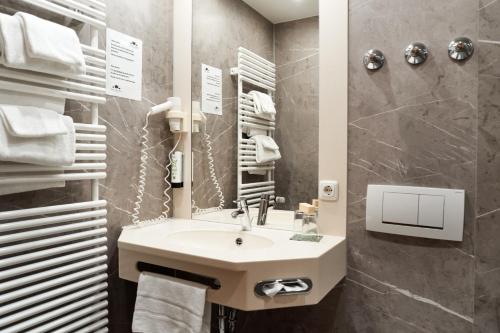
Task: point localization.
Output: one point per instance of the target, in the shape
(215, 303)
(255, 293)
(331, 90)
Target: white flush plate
(416, 211)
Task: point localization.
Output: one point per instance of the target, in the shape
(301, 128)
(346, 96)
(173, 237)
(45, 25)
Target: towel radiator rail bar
(84, 8)
(68, 9)
(53, 259)
(30, 212)
(258, 184)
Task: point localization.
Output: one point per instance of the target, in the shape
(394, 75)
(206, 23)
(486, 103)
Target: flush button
(400, 208)
(431, 211)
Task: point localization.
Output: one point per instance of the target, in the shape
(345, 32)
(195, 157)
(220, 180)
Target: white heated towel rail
(53, 271)
(254, 73)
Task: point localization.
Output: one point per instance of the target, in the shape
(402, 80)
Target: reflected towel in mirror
(266, 149)
(263, 105)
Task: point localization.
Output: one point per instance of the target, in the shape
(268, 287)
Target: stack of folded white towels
(33, 129)
(267, 149)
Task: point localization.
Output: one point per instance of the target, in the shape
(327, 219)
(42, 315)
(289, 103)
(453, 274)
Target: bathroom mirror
(255, 101)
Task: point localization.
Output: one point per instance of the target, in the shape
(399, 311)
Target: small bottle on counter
(309, 220)
(298, 221)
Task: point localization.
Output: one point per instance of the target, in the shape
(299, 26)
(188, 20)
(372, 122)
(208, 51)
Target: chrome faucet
(265, 201)
(263, 207)
(246, 221)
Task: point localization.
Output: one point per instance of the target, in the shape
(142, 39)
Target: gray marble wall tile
(410, 126)
(297, 102)
(489, 24)
(150, 21)
(219, 28)
(488, 181)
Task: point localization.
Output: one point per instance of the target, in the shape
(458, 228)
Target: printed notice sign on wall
(123, 65)
(211, 89)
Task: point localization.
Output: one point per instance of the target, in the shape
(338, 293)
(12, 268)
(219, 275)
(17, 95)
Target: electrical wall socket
(329, 190)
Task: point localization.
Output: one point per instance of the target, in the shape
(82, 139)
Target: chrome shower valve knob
(374, 59)
(416, 53)
(460, 48)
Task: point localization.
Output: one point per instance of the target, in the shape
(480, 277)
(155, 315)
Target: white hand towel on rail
(27, 99)
(52, 150)
(21, 188)
(166, 304)
(52, 42)
(32, 122)
(14, 51)
(266, 149)
(263, 105)
(12, 42)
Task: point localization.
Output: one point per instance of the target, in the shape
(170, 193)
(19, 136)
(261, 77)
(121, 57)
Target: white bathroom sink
(219, 240)
(211, 250)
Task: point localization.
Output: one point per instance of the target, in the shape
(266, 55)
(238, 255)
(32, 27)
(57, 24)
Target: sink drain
(239, 241)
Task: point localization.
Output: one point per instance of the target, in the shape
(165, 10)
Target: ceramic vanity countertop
(270, 246)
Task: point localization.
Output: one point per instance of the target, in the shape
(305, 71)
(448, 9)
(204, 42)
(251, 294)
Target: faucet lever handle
(280, 200)
(241, 202)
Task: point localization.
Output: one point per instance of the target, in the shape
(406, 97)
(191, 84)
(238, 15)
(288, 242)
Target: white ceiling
(278, 11)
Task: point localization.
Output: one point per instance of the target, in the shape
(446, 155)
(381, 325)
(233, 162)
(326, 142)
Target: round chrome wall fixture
(416, 53)
(373, 59)
(460, 48)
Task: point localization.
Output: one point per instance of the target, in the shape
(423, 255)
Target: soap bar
(307, 208)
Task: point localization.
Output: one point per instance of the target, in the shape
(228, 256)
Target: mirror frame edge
(333, 110)
(182, 44)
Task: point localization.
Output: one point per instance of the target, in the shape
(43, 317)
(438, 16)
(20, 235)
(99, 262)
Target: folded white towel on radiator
(50, 150)
(166, 304)
(266, 149)
(31, 43)
(21, 188)
(32, 122)
(12, 42)
(27, 99)
(263, 105)
(52, 42)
